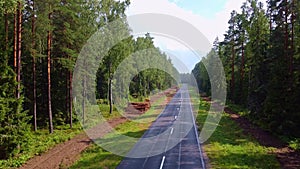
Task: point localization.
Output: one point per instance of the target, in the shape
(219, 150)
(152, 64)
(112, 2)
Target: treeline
(40, 43)
(261, 57)
(138, 53)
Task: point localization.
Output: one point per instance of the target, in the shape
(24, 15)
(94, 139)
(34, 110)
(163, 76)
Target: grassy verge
(293, 142)
(104, 109)
(96, 157)
(40, 142)
(242, 111)
(229, 147)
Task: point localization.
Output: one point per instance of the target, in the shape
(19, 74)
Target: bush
(14, 127)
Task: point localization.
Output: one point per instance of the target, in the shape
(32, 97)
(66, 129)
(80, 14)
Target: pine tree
(276, 105)
(257, 59)
(34, 65)
(14, 128)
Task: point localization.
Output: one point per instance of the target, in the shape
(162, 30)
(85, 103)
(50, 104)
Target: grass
(40, 142)
(238, 109)
(229, 147)
(293, 142)
(96, 157)
(96, 114)
(104, 109)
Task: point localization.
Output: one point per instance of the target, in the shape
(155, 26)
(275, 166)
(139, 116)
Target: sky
(210, 17)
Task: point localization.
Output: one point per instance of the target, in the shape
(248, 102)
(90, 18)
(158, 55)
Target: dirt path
(288, 158)
(65, 154)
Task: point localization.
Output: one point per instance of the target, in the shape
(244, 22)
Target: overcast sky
(210, 17)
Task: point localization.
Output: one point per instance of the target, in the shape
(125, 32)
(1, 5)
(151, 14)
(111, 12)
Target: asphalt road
(172, 140)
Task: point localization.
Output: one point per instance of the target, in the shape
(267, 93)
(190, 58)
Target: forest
(261, 58)
(40, 43)
(42, 40)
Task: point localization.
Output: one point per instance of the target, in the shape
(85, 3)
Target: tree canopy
(260, 55)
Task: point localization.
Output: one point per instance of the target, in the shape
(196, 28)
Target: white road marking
(172, 130)
(179, 156)
(162, 162)
(196, 133)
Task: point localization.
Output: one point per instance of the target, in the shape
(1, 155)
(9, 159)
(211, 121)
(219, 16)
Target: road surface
(172, 140)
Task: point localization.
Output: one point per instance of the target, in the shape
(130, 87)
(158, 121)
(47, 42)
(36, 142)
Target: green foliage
(96, 157)
(104, 109)
(229, 147)
(7, 6)
(260, 54)
(294, 144)
(39, 142)
(70, 23)
(201, 75)
(280, 111)
(144, 82)
(241, 110)
(14, 128)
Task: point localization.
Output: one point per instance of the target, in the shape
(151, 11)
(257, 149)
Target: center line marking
(172, 130)
(162, 162)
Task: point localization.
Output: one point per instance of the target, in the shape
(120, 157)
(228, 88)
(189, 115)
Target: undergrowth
(229, 147)
(40, 142)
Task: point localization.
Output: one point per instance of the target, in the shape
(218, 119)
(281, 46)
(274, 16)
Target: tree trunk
(232, 72)
(293, 39)
(83, 99)
(270, 15)
(49, 77)
(33, 66)
(145, 87)
(232, 83)
(110, 97)
(70, 99)
(84, 92)
(110, 91)
(15, 41)
(19, 49)
(67, 92)
(286, 31)
(243, 64)
(107, 93)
